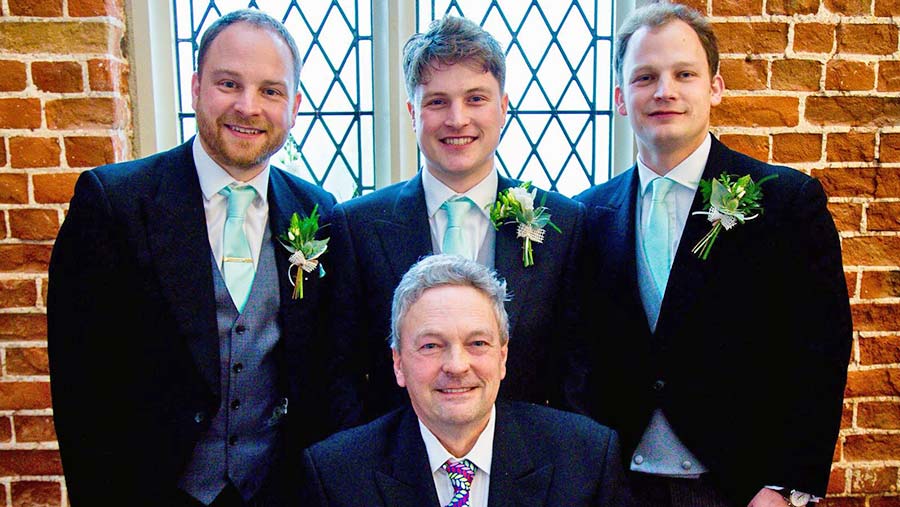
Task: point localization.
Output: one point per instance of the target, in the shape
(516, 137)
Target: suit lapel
(406, 237)
(618, 218)
(689, 274)
(515, 479)
(179, 244)
(405, 477)
(508, 261)
(282, 204)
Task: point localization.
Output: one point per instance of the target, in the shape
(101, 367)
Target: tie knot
(460, 472)
(239, 198)
(456, 208)
(660, 188)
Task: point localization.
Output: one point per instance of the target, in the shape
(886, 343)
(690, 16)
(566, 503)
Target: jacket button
(659, 385)
(686, 465)
(237, 367)
(199, 417)
(232, 440)
(239, 329)
(638, 459)
(235, 404)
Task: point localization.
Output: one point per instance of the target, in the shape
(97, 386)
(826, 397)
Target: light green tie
(454, 239)
(237, 264)
(657, 240)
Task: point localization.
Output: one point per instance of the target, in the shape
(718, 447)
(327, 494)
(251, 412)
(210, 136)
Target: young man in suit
(725, 374)
(175, 346)
(457, 446)
(455, 76)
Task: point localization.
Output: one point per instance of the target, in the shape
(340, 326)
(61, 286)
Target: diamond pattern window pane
(332, 143)
(559, 81)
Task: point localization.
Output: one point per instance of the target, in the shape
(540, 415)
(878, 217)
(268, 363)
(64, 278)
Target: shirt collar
(480, 455)
(483, 194)
(213, 178)
(687, 173)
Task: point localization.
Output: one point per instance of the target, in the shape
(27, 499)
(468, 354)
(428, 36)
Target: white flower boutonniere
(728, 202)
(300, 240)
(516, 205)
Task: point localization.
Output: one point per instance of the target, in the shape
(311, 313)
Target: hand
(767, 498)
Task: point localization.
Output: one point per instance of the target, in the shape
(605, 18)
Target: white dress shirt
(477, 228)
(213, 179)
(480, 456)
(687, 176)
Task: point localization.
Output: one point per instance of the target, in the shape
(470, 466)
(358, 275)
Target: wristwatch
(795, 498)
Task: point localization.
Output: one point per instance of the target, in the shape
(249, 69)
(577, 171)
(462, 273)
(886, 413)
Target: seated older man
(456, 446)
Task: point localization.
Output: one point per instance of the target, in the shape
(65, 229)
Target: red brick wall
(811, 83)
(64, 107)
(814, 85)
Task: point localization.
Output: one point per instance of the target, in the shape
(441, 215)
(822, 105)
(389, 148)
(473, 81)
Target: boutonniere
(516, 205)
(728, 202)
(300, 240)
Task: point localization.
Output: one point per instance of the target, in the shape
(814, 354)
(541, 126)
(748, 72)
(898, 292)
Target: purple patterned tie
(461, 474)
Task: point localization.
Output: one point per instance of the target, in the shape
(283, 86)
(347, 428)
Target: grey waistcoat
(241, 443)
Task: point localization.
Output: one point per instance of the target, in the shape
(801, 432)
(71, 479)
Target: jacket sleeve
(85, 329)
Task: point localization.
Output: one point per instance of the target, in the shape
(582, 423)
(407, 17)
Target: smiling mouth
(457, 390)
(245, 130)
(458, 141)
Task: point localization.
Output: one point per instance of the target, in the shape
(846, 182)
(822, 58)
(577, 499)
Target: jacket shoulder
(297, 185)
(600, 195)
(558, 429)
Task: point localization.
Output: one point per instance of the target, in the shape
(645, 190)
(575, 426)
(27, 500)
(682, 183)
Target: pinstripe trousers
(656, 491)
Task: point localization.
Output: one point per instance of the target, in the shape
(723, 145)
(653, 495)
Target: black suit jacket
(541, 457)
(749, 358)
(132, 333)
(382, 234)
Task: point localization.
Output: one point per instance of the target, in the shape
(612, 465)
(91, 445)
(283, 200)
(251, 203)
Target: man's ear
(716, 89)
(398, 370)
(412, 113)
(619, 98)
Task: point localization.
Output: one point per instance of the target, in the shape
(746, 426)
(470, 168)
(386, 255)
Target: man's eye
(229, 84)
(479, 343)
(429, 346)
(272, 92)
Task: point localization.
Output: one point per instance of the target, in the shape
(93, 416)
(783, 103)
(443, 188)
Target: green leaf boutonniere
(300, 240)
(516, 205)
(729, 200)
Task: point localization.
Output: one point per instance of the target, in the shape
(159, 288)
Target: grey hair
(658, 14)
(440, 270)
(259, 20)
(450, 40)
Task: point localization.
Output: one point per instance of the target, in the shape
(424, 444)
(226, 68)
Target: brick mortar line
(29, 446)
(65, 18)
(33, 379)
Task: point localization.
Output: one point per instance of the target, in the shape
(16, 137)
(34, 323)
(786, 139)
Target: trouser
(657, 491)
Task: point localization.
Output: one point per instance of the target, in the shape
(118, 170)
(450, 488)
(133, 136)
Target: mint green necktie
(454, 239)
(237, 263)
(657, 239)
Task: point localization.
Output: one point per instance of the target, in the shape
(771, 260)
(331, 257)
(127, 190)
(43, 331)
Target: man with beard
(176, 343)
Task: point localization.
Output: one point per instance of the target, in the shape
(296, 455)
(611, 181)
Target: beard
(237, 153)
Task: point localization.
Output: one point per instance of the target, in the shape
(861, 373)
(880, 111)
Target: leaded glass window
(559, 83)
(332, 142)
(558, 79)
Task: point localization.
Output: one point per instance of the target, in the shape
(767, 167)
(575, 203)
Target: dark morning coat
(749, 359)
(541, 457)
(133, 342)
(382, 234)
